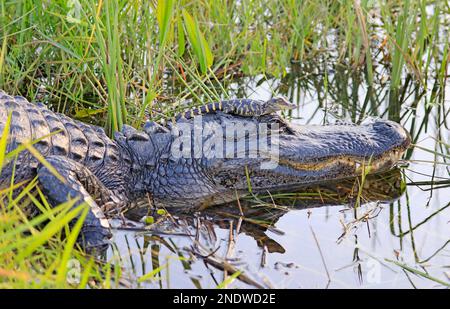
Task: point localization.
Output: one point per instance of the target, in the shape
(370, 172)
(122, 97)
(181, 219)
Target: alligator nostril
(387, 125)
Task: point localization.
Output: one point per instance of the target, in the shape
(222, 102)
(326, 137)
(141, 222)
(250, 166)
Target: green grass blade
(164, 12)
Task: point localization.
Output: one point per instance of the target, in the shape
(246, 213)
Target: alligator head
(218, 157)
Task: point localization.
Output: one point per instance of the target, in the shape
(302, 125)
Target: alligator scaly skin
(92, 164)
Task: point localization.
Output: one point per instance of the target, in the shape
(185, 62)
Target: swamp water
(388, 231)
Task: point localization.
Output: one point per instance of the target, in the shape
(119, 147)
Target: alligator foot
(82, 184)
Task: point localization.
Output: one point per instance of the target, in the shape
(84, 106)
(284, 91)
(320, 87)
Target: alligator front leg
(80, 183)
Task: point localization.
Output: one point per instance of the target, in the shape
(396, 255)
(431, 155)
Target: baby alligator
(241, 107)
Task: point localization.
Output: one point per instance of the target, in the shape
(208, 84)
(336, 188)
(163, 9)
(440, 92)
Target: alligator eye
(150, 164)
(138, 136)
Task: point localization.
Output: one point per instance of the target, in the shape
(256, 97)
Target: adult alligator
(116, 175)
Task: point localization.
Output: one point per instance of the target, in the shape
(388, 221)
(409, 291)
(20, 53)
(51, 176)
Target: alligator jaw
(314, 154)
(349, 165)
(331, 169)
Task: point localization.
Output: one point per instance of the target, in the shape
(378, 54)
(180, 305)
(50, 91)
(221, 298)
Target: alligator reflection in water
(254, 217)
(259, 217)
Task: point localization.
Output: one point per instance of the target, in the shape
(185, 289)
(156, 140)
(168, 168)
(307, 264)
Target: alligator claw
(113, 208)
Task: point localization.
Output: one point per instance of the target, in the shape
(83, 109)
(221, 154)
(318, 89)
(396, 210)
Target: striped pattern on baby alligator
(241, 107)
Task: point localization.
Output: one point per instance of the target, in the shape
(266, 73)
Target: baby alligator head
(218, 157)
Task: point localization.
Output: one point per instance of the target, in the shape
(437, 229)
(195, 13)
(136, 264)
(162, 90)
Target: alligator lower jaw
(353, 164)
(294, 175)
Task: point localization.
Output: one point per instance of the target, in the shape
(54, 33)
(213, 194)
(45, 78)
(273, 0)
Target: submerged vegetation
(121, 62)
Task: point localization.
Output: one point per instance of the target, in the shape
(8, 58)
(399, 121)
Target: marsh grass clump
(114, 62)
(37, 245)
(41, 251)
